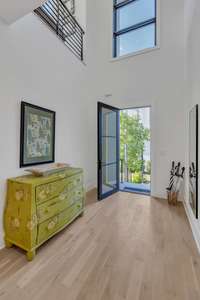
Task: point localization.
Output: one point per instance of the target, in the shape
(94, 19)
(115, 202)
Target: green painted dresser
(39, 207)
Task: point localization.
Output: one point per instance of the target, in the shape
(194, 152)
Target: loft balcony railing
(57, 16)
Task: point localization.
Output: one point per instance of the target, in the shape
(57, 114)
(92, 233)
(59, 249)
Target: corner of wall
(90, 186)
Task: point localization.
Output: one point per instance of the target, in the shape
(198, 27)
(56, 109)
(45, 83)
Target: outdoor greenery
(133, 136)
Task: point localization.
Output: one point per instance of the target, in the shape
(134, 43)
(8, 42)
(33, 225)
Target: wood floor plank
(123, 248)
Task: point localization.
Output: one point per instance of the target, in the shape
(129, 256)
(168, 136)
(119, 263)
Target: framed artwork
(37, 138)
(193, 160)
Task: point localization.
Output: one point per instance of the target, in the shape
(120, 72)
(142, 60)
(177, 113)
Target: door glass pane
(109, 154)
(108, 122)
(134, 13)
(109, 175)
(136, 40)
(108, 150)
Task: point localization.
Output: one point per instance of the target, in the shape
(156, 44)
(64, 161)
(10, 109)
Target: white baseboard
(193, 224)
(90, 187)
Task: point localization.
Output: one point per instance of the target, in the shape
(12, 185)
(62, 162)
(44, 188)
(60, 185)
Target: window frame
(131, 28)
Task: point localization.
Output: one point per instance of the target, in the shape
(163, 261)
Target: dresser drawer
(46, 229)
(76, 208)
(49, 227)
(70, 213)
(51, 190)
(56, 205)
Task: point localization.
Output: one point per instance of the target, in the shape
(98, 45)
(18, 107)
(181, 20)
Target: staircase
(58, 17)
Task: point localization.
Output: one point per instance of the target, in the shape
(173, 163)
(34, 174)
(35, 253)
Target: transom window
(134, 26)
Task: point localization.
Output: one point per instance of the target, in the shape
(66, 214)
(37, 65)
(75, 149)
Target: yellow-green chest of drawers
(39, 207)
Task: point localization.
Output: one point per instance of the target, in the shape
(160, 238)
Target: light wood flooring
(127, 247)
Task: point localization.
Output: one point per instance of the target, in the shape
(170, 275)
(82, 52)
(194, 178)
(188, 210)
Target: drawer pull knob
(52, 224)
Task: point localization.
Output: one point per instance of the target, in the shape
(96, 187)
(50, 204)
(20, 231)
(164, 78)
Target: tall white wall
(154, 78)
(11, 11)
(37, 67)
(192, 83)
(81, 12)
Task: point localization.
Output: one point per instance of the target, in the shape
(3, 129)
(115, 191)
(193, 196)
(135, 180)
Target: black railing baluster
(82, 47)
(58, 17)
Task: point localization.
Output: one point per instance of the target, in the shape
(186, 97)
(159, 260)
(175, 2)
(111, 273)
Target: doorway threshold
(143, 189)
(136, 192)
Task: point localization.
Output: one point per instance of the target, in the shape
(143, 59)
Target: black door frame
(99, 154)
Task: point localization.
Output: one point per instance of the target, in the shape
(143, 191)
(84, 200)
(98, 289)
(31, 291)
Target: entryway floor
(127, 247)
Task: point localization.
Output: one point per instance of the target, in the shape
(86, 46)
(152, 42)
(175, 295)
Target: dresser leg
(8, 244)
(30, 255)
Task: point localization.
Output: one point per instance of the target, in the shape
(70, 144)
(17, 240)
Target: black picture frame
(25, 106)
(194, 159)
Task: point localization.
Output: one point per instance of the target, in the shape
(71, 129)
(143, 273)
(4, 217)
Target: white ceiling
(12, 10)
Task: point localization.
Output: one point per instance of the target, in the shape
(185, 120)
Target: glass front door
(108, 150)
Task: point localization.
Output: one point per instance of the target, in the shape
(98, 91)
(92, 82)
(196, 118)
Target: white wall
(154, 78)
(192, 83)
(80, 12)
(10, 10)
(37, 67)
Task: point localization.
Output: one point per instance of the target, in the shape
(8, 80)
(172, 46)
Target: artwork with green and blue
(37, 135)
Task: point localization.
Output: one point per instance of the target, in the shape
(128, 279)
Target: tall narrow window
(134, 26)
